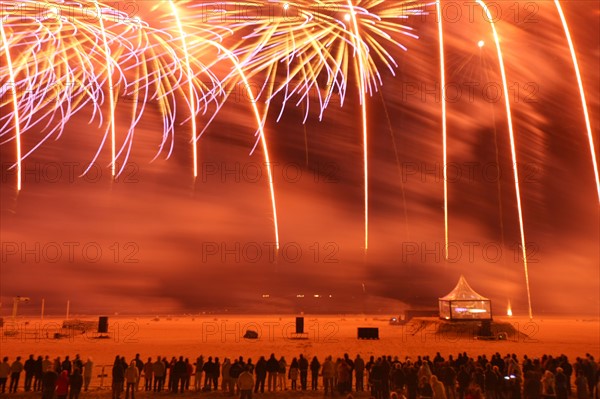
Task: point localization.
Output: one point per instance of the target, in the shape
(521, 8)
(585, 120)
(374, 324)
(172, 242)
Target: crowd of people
(460, 377)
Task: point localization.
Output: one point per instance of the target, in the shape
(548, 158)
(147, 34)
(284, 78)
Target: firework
(60, 59)
(70, 56)
(586, 115)
(294, 46)
(513, 150)
(444, 125)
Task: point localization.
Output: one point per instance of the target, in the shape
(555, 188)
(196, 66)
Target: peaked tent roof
(463, 291)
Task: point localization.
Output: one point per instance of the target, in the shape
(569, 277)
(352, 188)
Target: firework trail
(444, 124)
(294, 50)
(11, 75)
(586, 115)
(187, 23)
(318, 41)
(114, 56)
(188, 70)
(304, 47)
(111, 93)
(512, 147)
(262, 138)
(74, 55)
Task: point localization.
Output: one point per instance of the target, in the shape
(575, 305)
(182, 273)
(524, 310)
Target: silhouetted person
(15, 373)
(198, 377)
(188, 374)
(179, 372)
(562, 387)
(62, 385)
(148, 375)
(293, 374)
(359, 370)
(77, 363)
(261, 374)
(29, 368)
(281, 374)
(303, 367)
(75, 384)
(4, 373)
(38, 372)
(118, 378)
(49, 380)
(350, 364)
(140, 366)
(208, 369)
(272, 368)
(158, 368)
(235, 371)
(216, 373)
(66, 365)
(315, 366)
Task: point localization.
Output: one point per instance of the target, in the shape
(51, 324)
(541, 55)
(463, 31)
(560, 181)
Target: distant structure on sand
(463, 303)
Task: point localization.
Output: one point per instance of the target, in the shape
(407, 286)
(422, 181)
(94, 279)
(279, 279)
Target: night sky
(156, 241)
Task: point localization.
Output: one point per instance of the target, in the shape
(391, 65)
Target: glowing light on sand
(509, 310)
(513, 150)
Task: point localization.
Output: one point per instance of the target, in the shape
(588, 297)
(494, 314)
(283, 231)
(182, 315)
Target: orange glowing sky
(170, 225)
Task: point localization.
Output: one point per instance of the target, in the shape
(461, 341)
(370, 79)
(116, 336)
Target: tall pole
(68, 304)
(15, 307)
(43, 304)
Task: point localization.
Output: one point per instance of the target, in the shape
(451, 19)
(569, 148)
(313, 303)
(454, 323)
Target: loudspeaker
(103, 324)
(299, 325)
(368, 333)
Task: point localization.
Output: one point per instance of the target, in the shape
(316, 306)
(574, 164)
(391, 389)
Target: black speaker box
(103, 324)
(299, 325)
(368, 333)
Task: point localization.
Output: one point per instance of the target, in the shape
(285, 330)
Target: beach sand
(221, 335)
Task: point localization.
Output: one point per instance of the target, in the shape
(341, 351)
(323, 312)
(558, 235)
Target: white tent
(463, 303)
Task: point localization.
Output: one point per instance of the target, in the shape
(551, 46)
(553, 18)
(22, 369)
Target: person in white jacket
(245, 384)
(132, 374)
(439, 392)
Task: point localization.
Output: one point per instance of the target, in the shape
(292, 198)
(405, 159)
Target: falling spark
(111, 94)
(190, 74)
(509, 310)
(15, 103)
(262, 138)
(358, 48)
(586, 115)
(444, 126)
(323, 45)
(512, 149)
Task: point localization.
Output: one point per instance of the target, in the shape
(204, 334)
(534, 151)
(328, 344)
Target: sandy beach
(222, 336)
